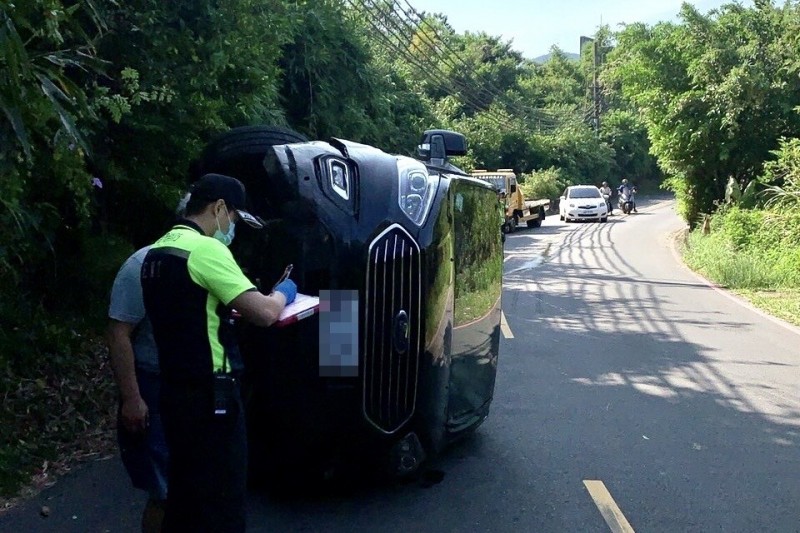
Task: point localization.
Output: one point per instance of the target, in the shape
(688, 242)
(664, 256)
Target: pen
(286, 272)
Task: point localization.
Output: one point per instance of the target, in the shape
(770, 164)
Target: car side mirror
(439, 144)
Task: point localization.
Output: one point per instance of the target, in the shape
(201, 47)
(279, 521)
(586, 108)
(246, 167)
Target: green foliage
(715, 259)
(42, 153)
(547, 183)
(625, 132)
(559, 81)
(373, 103)
(581, 156)
(749, 249)
(716, 91)
(784, 175)
(181, 72)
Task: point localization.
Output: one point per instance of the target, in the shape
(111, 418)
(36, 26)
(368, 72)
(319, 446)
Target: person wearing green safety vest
(190, 283)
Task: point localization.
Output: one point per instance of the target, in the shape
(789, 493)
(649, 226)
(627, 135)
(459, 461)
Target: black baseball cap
(213, 187)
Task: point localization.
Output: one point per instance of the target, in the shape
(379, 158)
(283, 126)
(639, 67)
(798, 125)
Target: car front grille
(392, 341)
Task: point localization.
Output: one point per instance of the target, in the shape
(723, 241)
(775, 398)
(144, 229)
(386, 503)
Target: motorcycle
(626, 200)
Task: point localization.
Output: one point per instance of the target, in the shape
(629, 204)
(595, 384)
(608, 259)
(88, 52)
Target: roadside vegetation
(718, 93)
(755, 250)
(105, 104)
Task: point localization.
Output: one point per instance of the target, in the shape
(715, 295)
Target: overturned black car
(407, 260)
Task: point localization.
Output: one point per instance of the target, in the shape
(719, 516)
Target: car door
(478, 258)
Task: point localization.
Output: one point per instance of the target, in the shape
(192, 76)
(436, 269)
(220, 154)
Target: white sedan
(583, 202)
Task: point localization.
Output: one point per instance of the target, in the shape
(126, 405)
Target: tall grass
(749, 249)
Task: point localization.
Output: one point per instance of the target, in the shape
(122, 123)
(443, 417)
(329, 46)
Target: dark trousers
(207, 463)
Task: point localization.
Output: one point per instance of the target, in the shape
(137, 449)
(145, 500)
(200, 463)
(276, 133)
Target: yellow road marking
(607, 506)
(504, 326)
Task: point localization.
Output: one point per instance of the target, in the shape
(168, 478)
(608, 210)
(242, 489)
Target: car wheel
(240, 153)
(241, 150)
(604, 219)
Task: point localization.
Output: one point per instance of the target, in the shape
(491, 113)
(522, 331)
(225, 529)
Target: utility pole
(595, 89)
(596, 104)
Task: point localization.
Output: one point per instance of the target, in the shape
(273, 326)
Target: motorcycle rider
(629, 190)
(606, 191)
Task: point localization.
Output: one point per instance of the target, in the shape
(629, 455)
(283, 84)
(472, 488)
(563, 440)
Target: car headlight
(571, 204)
(416, 189)
(339, 176)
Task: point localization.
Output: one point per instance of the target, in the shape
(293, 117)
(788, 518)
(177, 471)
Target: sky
(536, 25)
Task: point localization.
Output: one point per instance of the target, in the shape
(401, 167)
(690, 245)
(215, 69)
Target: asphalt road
(631, 392)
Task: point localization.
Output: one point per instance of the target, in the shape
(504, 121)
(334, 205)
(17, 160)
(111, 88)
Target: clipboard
(302, 307)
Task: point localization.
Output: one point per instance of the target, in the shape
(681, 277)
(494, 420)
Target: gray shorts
(145, 455)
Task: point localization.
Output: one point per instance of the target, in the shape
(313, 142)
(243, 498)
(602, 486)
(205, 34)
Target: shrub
(547, 183)
(738, 226)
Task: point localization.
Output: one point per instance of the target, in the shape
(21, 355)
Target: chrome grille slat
(402, 293)
(384, 327)
(393, 285)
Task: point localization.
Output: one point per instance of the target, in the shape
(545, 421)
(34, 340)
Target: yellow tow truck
(517, 208)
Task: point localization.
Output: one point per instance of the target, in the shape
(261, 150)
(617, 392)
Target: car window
(585, 193)
(498, 181)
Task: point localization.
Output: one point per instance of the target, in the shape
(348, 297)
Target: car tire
(537, 222)
(240, 153)
(604, 219)
(242, 150)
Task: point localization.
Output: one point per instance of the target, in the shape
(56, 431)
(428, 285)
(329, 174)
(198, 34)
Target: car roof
(582, 187)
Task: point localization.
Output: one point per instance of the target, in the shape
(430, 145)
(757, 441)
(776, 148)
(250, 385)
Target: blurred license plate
(338, 333)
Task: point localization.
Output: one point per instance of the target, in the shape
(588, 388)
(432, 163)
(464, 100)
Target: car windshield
(498, 181)
(585, 193)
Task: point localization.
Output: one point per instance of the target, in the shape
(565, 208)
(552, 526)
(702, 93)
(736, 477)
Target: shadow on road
(601, 383)
(623, 395)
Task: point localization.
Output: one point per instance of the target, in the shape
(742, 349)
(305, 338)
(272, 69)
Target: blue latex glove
(288, 288)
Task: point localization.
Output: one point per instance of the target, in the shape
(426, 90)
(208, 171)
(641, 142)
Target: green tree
(624, 132)
(185, 71)
(717, 92)
(335, 84)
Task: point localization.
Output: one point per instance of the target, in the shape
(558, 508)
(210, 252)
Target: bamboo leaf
(54, 94)
(15, 118)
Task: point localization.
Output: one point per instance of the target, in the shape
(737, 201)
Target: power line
(396, 31)
(497, 93)
(461, 88)
(395, 43)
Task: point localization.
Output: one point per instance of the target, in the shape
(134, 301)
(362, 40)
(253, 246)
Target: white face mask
(225, 238)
